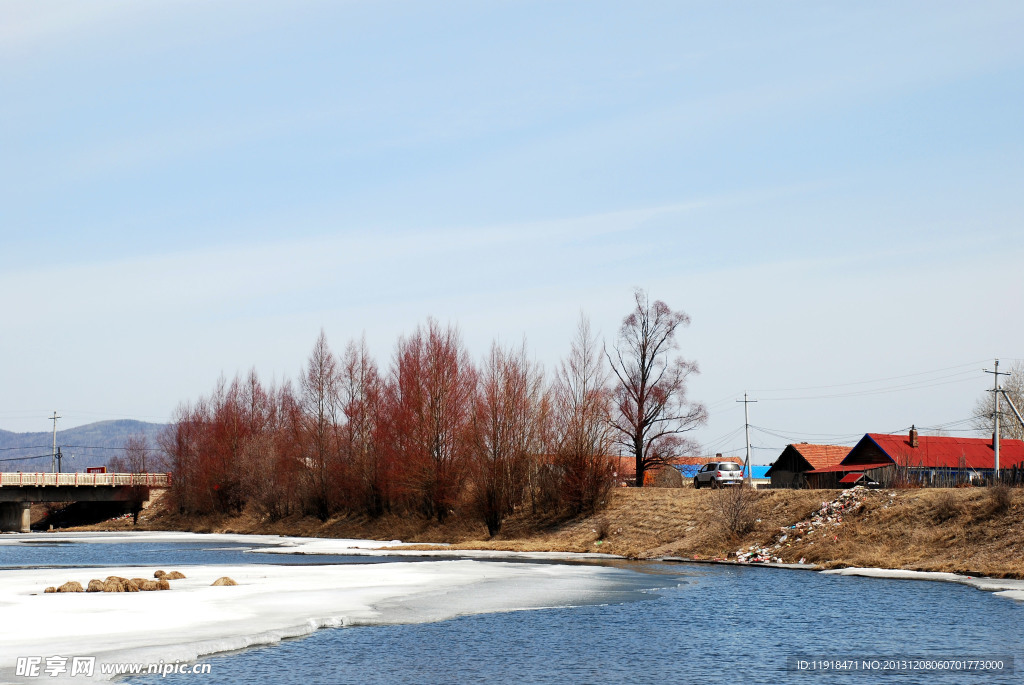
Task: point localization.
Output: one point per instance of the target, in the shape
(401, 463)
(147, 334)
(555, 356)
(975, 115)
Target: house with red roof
(919, 459)
(790, 468)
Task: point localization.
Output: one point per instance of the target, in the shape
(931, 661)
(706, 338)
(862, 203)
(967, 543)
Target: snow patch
(270, 603)
(277, 544)
(1001, 587)
(395, 549)
(213, 538)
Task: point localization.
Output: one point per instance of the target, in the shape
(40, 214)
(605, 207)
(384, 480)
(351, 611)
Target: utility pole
(995, 434)
(746, 421)
(53, 455)
(60, 457)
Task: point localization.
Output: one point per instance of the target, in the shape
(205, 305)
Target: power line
(39, 456)
(879, 391)
(722, 439)
(792, 436)
(778, 432)
(876, 380)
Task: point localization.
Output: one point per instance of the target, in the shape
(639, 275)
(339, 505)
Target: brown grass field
(973, 531)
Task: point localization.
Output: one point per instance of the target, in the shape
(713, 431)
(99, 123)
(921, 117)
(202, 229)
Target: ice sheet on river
(1002, 587)
(279, 544)
(174, 537)
(269, 603)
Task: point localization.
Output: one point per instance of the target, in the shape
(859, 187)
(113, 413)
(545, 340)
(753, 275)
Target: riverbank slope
(972, 531)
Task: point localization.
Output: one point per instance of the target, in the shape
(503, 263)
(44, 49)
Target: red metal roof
(821, 456)
(851, 478)
(944, 452)
(847, 468)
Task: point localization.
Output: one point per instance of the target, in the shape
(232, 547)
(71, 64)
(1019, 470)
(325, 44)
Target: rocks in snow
(115, 584)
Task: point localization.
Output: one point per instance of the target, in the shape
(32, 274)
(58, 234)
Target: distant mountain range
(89, 445)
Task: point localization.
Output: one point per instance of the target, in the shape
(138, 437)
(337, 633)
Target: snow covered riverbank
(269, 603)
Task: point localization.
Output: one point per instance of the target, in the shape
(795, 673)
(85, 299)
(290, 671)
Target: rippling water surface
(723, 625)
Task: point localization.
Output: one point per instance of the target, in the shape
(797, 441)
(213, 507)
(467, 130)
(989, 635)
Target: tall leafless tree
(133, 460)
(580, 433)
(321, 416)
(362, 402)
(652, 412)
(506, 432)
(430, 400)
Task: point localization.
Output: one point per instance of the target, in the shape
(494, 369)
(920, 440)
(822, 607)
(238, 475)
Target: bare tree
(362, 401)
(984, 410)
(506, 431)
(133, 460)
(580, 429)
(429, 406)
(133, 456)
(181, 444)
(321, 414)
(652, 412)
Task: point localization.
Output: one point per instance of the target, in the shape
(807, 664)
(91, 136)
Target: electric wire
(876, 380)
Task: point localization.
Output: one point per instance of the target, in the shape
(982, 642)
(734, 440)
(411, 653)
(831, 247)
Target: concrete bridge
(19, 490)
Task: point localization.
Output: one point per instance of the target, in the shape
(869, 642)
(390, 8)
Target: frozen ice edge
(270, 603)
(278, 544)
(1001, 587)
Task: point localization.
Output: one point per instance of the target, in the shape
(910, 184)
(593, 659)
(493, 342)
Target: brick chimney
(718, 455)
(913, 436)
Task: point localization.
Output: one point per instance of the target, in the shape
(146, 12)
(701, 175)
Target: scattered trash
(829, 514)
(756, 554)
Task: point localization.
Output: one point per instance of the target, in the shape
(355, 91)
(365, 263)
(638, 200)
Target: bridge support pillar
(15, 517)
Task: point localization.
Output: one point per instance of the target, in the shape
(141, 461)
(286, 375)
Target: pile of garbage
(756, 554)
(831, 513)
(828, 515)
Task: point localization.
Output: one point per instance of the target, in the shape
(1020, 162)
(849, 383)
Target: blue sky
(831, 190)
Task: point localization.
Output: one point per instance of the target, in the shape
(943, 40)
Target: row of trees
(435, 432)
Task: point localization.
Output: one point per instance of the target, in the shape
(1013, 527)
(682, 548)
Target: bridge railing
(152, 480)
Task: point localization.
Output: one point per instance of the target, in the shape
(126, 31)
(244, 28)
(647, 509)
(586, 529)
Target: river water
(670, 623)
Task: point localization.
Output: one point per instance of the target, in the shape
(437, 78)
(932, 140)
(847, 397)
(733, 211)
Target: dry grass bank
(971, 531)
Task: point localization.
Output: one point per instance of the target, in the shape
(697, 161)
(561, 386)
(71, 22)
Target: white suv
(719, 473)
